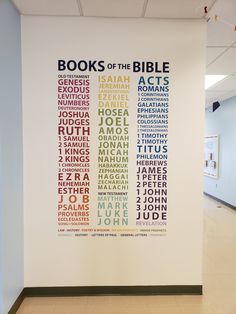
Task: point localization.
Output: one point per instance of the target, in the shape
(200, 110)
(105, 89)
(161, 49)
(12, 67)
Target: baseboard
(113, 290)
(220, 201)
(104, 290)
(17, 303)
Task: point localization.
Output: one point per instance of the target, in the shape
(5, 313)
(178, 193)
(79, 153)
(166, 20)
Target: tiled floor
(219, 281)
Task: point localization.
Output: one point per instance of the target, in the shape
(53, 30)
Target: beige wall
(174, 259)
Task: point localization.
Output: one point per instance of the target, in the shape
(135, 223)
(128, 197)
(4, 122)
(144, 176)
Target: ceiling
(115, 8)
(221, 37)
(221, 50)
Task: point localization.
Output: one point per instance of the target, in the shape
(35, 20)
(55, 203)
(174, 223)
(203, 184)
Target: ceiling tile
(48, 7)
(230, 94)
(219, 33)
(212, 96)
(225, 65)
(113, 8)
(213, 53)
(225, 9)
(227, 85)
(177, 8)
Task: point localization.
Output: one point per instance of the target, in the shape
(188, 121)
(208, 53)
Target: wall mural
(112, 148)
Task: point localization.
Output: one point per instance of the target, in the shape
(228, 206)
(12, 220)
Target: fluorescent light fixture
(211, 80)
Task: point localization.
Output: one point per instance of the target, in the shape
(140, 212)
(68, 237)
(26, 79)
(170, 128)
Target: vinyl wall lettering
(126, 193)
(73, 151)
(113, 150)
(152, 150)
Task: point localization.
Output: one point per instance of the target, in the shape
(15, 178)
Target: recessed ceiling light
(211, 80)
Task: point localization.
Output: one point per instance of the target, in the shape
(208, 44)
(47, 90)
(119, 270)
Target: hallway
(219, 280)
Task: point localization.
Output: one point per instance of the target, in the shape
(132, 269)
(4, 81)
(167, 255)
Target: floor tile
(219, 279)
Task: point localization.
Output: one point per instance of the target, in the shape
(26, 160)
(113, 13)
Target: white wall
(11, 182)
(222, 122)
(175, 259)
